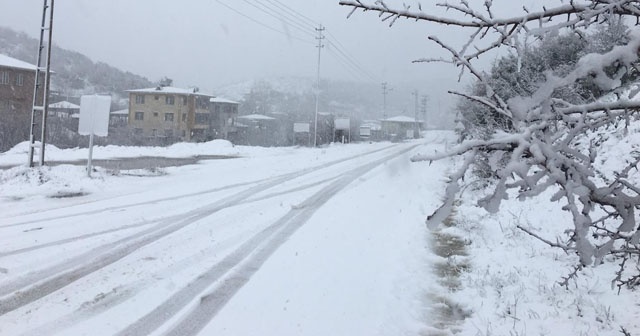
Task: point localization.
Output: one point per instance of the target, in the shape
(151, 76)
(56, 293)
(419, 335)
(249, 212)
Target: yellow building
(170, 112)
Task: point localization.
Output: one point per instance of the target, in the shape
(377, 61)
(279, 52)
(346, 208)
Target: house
(63, 109)
(223, 117)
(119, 118)
(257, 130)
(170, 113)
(401, 127)
(16, 99)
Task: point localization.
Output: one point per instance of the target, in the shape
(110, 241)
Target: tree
(544, 146)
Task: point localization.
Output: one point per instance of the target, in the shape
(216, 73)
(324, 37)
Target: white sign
(343, 124)
(94, 115)
(365, 131)
(301, 127)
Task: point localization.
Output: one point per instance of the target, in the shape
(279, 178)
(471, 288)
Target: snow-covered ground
(283, 241)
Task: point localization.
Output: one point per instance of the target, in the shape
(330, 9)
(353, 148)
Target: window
(139, 116)
(20, 80)
(139, 99)
(184, 100)
(202, 118)
(168, 133)
(155, 114)
(4, 77)
(156, 97)
(168, 117)
(170, 100)
(154, 132)
(184, 117)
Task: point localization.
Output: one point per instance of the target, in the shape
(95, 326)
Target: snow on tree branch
(550, 140)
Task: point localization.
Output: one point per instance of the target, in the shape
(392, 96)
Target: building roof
(170, 90)
(11, 62)
(256, 117)
(401, 119)
(64, 105)
(120, 112)
(222, 100)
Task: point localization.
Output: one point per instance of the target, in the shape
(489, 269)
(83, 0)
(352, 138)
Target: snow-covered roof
(401, 119)
(170, 90)
(222, 100)
(256, 117)
(120, 112)
(64, 105)
(11, 62)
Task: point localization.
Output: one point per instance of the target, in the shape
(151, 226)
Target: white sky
(203, 43)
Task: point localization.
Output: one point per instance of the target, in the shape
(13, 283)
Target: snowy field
(282, 241)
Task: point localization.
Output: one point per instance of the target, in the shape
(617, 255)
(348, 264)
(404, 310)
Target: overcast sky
(206, 43)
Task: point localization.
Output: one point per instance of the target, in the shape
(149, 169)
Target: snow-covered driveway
(283, 242)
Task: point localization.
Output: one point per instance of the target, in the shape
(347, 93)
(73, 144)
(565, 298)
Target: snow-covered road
(282, 242)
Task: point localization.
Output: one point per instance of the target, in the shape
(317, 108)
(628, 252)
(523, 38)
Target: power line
(277, 15)
(283, 10)
(353, 64)
(263, 24)
(294, 12)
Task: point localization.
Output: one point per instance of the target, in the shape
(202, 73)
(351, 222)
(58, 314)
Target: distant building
(223, 118)
(401, 127)
(63, 109)
(119, 118)
(170, 112)
(16, 98)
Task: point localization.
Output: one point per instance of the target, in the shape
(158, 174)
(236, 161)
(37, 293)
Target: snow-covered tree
(550, 143)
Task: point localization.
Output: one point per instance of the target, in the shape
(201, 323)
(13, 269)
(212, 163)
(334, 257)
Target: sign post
(94, 120)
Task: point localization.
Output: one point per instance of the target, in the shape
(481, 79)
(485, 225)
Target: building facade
(169, 112)
(223, 117)
(16, 99)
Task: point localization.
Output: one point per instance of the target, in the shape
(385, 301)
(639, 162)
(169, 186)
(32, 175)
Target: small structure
(119, 118)
(223, 118)
(63, 109)
(259, 130)
(401, 127)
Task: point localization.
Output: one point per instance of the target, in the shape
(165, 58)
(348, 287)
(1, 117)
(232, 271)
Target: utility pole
(416, 129)
(320, 37)
(424, 101)
(41, 87)
(385, 91)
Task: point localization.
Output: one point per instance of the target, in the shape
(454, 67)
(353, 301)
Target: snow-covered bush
(551, 141)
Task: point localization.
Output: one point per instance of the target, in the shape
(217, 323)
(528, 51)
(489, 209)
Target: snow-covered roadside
(512, 286)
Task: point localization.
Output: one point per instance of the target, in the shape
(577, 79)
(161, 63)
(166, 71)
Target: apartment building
(170, 112)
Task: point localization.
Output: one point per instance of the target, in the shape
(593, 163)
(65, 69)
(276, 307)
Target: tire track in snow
(240, 265)
(172, 198)
(146, 223)
(33, 286)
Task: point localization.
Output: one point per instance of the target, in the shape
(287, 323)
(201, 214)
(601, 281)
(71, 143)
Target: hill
(75, 73)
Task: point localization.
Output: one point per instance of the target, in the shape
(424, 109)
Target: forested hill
(75, 73)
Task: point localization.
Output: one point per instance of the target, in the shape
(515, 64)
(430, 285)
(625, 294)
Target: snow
(353, 256)
(222, 100)
(170, 90)
(354, 264)
(18, 154)
(64, 105)
(401, 119)
(11, 62)
(120, 112)
(256, 117)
